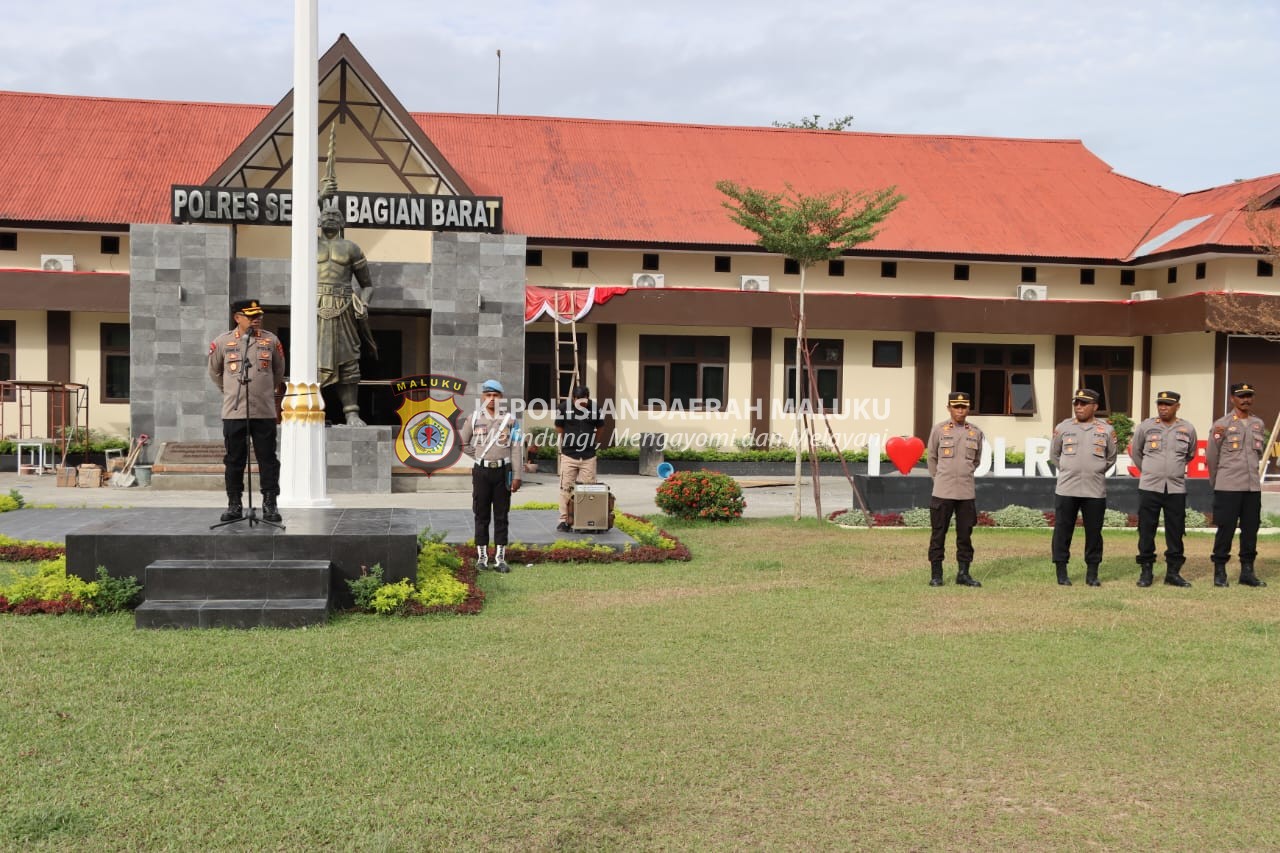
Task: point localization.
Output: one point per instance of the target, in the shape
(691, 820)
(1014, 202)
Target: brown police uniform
(1234, 455)
(247, 368)
(1082, 452)
(954, 451)
(1161, 453)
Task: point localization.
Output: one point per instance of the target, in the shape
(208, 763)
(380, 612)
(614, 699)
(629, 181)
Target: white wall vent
(1033, 292)
(1144, 295)
(58, 263)
(648, 279)
(755, 283)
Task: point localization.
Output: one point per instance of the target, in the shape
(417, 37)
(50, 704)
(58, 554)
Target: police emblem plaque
(428, 438)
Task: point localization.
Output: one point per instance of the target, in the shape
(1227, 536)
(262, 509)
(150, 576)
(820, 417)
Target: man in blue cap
(491, 437)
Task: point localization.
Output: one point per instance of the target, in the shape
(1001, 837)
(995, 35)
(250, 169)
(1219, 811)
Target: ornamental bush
(1115, 518)
(701, 495)
(49, 584)
(1196, 518)
(1019, 516)
(917, 517)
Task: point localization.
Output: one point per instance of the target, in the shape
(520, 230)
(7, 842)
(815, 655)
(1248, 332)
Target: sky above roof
(1177, 93)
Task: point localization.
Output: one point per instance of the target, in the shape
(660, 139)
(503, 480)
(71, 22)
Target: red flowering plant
(701, 495)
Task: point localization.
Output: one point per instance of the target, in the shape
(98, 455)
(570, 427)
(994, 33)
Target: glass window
(115, 362)
(826, 356)
(687, 371)
(1109, 371)
(998, 378)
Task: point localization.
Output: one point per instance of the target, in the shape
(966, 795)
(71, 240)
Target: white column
(302, 441)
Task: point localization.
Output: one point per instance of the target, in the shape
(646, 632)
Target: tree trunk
(800, 326)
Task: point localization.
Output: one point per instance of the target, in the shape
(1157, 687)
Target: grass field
(796, 686)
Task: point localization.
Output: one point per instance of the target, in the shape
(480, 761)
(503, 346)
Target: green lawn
(796, 686)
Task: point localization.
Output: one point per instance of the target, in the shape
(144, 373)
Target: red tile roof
(1220, 215)
(67, 159)
(655, 183)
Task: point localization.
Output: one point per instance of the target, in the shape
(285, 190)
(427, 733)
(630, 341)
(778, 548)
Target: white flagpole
(303, 481)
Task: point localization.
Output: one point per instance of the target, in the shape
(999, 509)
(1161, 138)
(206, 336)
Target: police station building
(1015, 269)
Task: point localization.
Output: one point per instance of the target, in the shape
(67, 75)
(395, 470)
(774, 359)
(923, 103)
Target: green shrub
(8, 504)
(441, 589)
(364, 587)
(1019, 516)
(438, 564)
(918, 516)
(1115, 518)
(390, 597)
(537, 505)
(113, 594)
(17, 498)
(7, 447)
(49, 582)
(701, 495)
(642, 531)
(1123, 425)
(1196, 518)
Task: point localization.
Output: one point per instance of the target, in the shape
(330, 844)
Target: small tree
(815, 123)
(808, 229)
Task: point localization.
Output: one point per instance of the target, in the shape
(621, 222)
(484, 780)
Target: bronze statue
(342, 314)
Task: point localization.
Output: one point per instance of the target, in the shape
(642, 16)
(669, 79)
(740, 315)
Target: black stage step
(234, 594)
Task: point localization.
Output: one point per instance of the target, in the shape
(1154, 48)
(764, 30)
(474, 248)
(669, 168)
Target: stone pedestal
(359, 459)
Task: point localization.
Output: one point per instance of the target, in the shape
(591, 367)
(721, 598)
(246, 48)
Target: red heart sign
(904, 452)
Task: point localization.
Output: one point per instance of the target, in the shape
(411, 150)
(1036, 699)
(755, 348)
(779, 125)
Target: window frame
(106, 353)
(982, 382)
(1105, 374)
(704, 358)
(828, 366)
(9, 348)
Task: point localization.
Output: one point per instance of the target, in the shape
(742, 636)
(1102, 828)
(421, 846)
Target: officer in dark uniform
(491, 436)
(1161, 448)
(247, 365)
(1234, 454)
(955, 449)
(1082, 450)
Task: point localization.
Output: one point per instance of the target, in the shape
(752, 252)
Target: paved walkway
(65, 509)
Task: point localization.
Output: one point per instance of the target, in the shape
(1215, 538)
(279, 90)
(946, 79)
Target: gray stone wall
(359, 459)
(477, 317)
(179, 293)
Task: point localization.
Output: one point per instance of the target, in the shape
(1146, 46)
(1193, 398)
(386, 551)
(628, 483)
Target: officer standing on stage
(247, 365)
(491, 436)
(1082, 450)
(955, 448)
(1162, 448)
(1234, 454)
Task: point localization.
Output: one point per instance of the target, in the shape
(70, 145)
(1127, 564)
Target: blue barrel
(666, 469)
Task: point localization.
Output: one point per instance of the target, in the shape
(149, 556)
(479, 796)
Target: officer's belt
(491, 463)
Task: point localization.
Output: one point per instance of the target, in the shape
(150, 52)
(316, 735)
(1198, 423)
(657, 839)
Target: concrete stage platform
(126, 541)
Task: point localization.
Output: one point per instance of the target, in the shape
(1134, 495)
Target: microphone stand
(250, 451)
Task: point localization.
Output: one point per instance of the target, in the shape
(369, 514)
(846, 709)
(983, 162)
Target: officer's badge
(428, 438)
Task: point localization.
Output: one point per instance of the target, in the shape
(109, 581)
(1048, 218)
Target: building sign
(428, 438)
(394, 211)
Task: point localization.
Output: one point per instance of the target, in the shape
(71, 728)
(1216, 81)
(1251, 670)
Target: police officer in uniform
(955, 448)
(247, 365)
(1082, 450)
(1234, 454)
(1162, 447)
(491, 436)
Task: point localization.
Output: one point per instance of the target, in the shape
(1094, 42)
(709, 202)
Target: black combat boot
(1247, 577)
(1091, 576)
(935, 573)
(234, 509)
(1173, 575)
(1220, 575)
(270, 512)
(962, 576)
(1063, 580)
(1145, 574)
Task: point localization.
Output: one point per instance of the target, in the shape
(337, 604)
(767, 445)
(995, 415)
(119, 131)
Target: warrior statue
(342, 311)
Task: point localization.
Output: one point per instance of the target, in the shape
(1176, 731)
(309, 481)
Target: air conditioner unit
(1033, 292)
(648, 279)
(1144, 295)
(755, 282)
(58, 263)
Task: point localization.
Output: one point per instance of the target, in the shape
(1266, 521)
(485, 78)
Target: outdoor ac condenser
(591, 511)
